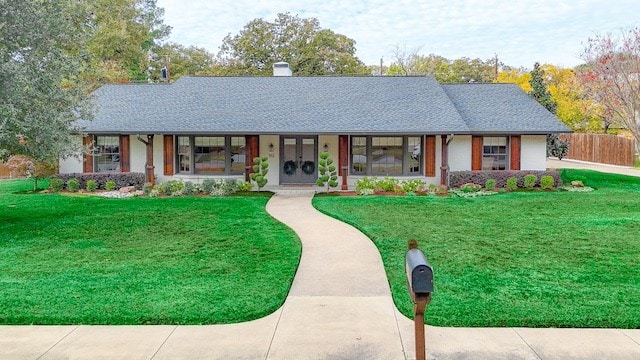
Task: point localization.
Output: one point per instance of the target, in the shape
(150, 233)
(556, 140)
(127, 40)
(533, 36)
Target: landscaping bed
(186, 260)
(523, 258)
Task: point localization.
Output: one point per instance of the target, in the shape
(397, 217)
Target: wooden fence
(601, 148)
(4, 171)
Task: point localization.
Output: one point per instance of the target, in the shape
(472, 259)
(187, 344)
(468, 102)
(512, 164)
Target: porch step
(294, 192)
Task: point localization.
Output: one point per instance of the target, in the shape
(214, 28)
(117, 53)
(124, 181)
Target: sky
(519, 32)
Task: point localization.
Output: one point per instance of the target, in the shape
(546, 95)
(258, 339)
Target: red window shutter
(343, 152)
(253, 149)
(430, 155)
(476, 153)
(87, 161)
(515, 153)
(168, 155)
(124, 153)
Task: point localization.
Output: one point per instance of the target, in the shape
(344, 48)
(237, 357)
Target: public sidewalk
(339, 307)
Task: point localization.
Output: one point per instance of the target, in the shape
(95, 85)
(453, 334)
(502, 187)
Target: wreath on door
(308, 167)
(290, 167)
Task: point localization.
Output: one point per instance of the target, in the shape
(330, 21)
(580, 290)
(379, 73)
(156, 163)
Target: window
(386, 155)
(184, 154)
(211, 155)
(238, 154)
(359, 155)
(106, 156)
(494, 153)
(414, 154)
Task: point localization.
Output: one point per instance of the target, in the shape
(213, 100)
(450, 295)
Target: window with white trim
(495, 150)
(106, 154)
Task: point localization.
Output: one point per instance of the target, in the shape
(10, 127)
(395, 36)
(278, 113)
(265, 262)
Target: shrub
(458, 178)
(245, 186)
(110, 185)
(411, 186)
(189, 188)
(556, 146)
(171, 188)
(530, 181)
(121, 179)
(222, 187)
(92, 185)
(146, 188)
(73, 185)
(512, 184)
(366, 185)
(56, 185)
(470, 187)
(207, 186)
(327, 172)
(387, 184)
(546, 182)
(260, 171)
(490, 184)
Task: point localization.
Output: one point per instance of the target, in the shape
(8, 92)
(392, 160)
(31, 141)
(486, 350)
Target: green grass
(533, 259)
(89, 260)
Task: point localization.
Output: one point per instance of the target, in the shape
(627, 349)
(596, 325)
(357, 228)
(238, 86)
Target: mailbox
(420, 279)
(419, 273)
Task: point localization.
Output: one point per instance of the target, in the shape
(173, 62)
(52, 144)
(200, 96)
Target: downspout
(444, 168)
(148, 166)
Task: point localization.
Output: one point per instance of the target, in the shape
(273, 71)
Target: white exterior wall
(72, 164)
(137, 153)
(273, 177)
(533, 152)
(460, 153)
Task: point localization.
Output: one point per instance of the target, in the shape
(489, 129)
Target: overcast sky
(520, 32)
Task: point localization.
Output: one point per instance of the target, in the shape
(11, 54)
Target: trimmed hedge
(121, 179)
(459, 178)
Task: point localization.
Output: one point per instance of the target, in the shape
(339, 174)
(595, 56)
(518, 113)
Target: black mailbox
(419, 273)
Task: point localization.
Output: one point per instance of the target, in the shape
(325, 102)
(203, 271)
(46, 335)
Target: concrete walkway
(553, 163)
(339, 307)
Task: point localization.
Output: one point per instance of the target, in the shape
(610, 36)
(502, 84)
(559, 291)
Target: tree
(539, 89)
(410, 63)
(309, 49)
(612, 78)
(184, 60)
(41, 91)
(573, 106)
(22, 165)
(123, 41)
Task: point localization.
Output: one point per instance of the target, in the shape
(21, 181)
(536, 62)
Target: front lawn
(532, 259)
(89, 260)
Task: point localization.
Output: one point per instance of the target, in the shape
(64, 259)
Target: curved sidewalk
(553, 163)
(339, 307)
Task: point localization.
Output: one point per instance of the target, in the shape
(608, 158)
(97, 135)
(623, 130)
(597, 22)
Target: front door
(298, 160)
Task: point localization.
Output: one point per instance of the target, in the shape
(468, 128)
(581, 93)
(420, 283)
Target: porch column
(148, 167)
(444, 168)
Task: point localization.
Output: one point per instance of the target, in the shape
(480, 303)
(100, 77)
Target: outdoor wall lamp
(271, 150)
(326, 147)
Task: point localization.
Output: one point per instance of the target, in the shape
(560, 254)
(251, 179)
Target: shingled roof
(316, 105)
(501, 108)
